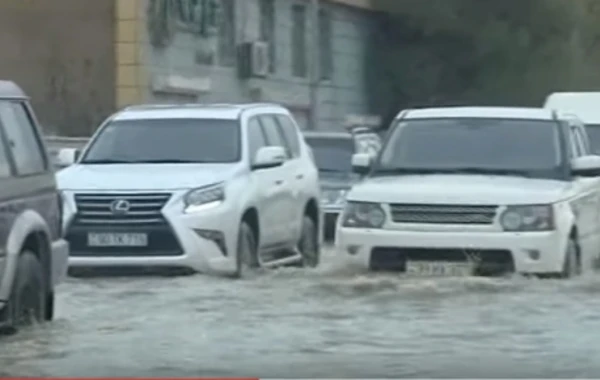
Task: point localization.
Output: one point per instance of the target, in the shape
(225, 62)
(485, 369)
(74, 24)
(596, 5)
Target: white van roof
(585, 105)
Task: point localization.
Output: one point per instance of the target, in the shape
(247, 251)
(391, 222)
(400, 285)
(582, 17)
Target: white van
(585, 105)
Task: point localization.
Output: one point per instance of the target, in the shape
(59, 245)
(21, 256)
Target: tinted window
(528, 146)
(22, 138)
(167, 141)
(331, 154)
(256, 137)
(291, 134)
(273, 132)
(593, 132)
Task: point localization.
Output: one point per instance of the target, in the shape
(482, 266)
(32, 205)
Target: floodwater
(330, 322)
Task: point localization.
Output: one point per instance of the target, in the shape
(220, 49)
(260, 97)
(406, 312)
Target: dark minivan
(33, 254)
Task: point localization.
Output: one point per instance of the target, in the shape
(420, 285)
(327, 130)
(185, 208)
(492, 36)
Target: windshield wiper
(169, 161)
(326, 170)
(465, 170)
(107, 161)
(492, 171)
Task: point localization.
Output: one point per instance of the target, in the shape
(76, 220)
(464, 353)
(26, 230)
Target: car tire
(246, 252)
(28, 298)
(572, 263)
(308, 246)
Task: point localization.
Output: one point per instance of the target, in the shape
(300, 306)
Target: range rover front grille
(443, 214)
(138, 213)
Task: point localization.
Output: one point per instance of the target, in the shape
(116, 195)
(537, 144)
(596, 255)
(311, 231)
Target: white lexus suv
(208, 188)
(476, 191)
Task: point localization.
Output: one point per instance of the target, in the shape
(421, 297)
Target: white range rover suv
(207, 188)
(476, 191)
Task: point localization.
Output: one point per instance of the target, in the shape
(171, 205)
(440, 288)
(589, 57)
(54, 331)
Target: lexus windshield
(166, 141)
(333, 155)
(473, 145)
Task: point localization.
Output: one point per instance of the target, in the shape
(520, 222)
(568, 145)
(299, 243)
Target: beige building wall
(62, 53)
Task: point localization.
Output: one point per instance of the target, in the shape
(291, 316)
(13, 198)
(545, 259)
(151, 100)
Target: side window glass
(575, 148)
(272, 132)
(22, 139)
(290, 133)
(5, 170)
(581, 148)
(256, 137)
(583, 141)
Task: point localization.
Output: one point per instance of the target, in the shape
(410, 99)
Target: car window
(165, 141)
(5, 169)
(530, 147)
(256, 137)
(22, 138)
(273, 132)
(332, 155)
(576, 143)
(290, 133)
(585, 149)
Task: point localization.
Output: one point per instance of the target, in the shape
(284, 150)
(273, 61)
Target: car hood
(143, 176)
(459, 189)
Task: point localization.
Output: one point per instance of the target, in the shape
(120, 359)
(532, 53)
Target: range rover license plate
(438, 268)
(117, 240)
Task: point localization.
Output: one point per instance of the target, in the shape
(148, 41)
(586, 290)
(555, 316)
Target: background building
(81, 60)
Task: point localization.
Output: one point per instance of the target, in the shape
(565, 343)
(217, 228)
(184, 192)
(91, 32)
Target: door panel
(286, 203)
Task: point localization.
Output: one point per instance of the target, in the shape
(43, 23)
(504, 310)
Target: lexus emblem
(120, 207)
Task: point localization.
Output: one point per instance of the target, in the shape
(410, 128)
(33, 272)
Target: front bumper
(527, 253)
(203, 241)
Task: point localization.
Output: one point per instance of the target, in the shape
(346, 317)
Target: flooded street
(330, 322)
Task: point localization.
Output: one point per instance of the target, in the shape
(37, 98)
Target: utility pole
(314, 64)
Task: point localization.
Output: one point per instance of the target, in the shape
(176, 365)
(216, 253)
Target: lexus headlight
(203, 197)
(528, 218)
(363, 215)
(331, 197)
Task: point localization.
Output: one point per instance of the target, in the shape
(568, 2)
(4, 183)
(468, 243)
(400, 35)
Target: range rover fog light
(216, 237)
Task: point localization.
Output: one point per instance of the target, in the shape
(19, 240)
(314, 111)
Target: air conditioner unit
(253, 59)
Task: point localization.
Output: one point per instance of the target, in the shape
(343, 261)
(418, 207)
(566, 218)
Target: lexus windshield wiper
(169, 161)
(107, 161)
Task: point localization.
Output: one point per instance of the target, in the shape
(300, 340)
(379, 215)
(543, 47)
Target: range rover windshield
(166, 141)
(529, 148)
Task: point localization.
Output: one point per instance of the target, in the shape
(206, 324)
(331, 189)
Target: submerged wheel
(247, 251)
(28, 299)
(572, 264)
(308, 246)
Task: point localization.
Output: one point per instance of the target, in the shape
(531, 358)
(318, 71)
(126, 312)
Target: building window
(325, 45)
(299, 64)
(226, 47)
(267, 30)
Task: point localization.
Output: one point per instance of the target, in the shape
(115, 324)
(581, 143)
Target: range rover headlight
(204, 197)
(528, 218)
(363, 215)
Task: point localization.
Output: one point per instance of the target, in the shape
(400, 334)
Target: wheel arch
(29, 231)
